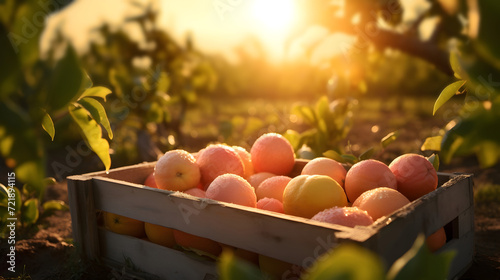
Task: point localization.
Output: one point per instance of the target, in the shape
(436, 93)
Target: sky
(217, 26)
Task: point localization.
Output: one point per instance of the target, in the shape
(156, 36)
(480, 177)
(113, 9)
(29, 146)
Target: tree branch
(424, 50)
(382, 38)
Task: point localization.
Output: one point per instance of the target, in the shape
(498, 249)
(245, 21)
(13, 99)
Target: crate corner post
(83, 216)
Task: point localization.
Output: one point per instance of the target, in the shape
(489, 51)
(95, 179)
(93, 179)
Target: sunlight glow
(275, 15)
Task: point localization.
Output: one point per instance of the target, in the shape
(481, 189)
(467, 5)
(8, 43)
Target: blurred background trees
(155, 80)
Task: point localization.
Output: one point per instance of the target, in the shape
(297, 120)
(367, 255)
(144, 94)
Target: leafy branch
(379, 24)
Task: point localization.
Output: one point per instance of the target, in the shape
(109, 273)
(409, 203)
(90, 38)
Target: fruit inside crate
(292, 239)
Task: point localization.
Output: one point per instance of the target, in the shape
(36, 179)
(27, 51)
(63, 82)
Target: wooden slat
(280, 236)
(132, 174)
(83, 216)
(463, 244)
(76, 215)
(154, 259)
(137, 173)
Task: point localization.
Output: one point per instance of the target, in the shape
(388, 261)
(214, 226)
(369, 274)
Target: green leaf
(230, 268)
(323, 128)
(322, 107)
(434, 159)
(331, 154)
(49, 181)
(475, 132)
(97, 112)
(67, 81)
(456, 66)
(306, 113)
(118, 77)
(4, 193)
(100, 92)
(447, 93)
(4, 200)
(91, 132)
(347, 261)
(389, 138)
(30, 211)
(52, 205)
(294, 138)
(348, 158)
(420, 263)
(367, 154)
(31, 191)
(451, 143)
(48, 125)
(32, 172)
(432, 143)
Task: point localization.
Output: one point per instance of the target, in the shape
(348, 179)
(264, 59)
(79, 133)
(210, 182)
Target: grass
(23, 275)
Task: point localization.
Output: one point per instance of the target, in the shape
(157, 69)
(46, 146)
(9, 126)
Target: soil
(48, 252)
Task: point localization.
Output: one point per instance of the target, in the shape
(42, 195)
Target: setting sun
(275, 16)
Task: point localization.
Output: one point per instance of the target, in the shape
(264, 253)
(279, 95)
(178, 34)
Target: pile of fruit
(325, 190)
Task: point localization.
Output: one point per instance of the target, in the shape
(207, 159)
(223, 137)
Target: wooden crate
(292, 239)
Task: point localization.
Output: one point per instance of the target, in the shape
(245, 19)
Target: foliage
(328, 125)
(24, 206)
(349, 261)
(475, 63)
(230, 267)
(156, 82)
(420, 263)
(35, 93)
(462, 43)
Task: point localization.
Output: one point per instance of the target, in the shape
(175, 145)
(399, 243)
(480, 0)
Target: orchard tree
(463, 44)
